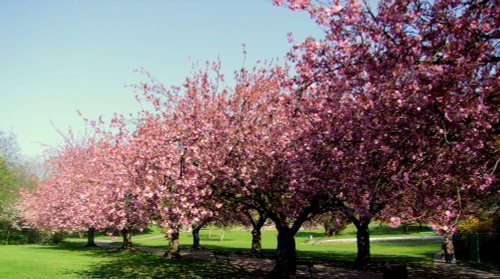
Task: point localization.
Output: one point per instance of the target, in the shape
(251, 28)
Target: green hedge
(9, 235)
(477, 247)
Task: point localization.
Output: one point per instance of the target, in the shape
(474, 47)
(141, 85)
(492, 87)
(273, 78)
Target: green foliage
(488, 224)
(477, 247)
(7, 197)
(15, 174)
(13, 236)
(7, 184)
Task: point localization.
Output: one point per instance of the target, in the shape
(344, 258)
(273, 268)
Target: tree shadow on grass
(117, 263)
(123, 264)
(142, 265)
(71, 246)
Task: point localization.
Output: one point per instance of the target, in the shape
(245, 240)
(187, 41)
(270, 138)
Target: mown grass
(34, 261)
(73, 260)
(238, 241)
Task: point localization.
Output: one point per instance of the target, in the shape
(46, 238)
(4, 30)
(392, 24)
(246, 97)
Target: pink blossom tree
(273, 162)
(179, 161)
(423, 77)
(92, 185)
(62, 201)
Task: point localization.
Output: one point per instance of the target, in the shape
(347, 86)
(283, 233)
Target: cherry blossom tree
(92, 185)
(60, 201)
(271, 164)
(173, 148)
(423, 74)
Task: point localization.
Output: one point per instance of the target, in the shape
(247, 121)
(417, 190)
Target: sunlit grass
(72, 260)
(34, 261)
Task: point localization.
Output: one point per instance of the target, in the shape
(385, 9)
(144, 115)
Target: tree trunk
(329, 229)
(363, 242)
(256, 241)
(173, 246)
(286, 258)
(257, 235)
(32, 237)
(7, 238)
(222, 236)
(405, 228)
(257, 225)
(91, 238)
(196, 237)
(127, 239)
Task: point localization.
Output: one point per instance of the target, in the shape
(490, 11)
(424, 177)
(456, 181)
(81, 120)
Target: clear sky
(60, 56)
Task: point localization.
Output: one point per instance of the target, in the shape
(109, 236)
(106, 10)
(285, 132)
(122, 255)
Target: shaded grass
(143, 265)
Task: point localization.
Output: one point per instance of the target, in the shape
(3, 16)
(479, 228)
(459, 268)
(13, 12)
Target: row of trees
(393, 115)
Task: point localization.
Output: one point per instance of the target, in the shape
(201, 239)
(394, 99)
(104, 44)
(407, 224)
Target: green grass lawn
(72, 260)
(34, 261)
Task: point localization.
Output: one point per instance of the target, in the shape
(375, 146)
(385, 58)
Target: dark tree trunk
(256, 241)
(173, 246)
(329, 229)
(256, 234)
(256, 229)
(405, 228)
(286, 258)
(363, 243)
(127, 239)
(196, 237)
(31, 238)
(7, 238)
(91, 238)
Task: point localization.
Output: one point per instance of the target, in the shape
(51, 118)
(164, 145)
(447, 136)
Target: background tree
(16, 174)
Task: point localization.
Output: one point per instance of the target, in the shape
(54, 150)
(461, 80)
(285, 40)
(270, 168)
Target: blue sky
(57, 57)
